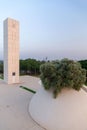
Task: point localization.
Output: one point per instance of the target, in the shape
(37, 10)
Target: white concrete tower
(11, 51)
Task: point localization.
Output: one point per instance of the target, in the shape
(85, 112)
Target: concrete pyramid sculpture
(67, 112)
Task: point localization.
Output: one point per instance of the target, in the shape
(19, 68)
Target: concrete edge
(84, 87)
(33, 119)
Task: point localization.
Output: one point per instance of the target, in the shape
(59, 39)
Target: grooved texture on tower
(11, 51)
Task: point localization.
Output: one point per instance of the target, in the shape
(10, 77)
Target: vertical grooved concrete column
(11, 51)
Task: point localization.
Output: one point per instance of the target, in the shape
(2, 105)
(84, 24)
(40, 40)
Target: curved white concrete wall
(67, 112)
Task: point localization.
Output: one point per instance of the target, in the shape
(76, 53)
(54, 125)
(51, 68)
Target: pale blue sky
(48, 28)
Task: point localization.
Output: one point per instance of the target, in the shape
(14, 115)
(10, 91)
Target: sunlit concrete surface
(14, 104)
(67, 112)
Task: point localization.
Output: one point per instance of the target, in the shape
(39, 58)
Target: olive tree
(56, 75)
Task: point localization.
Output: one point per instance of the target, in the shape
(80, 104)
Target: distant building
(11, 51)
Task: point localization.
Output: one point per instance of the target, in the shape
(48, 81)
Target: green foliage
(30, 66)
(59, 74)
(1, 76)
(28, 89)
(83, 64)
(27, 66)
(1, 67)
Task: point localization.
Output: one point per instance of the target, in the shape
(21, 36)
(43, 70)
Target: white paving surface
(67, 112)
(14, 105)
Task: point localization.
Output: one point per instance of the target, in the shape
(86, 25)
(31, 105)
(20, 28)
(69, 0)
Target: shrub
(56, 75)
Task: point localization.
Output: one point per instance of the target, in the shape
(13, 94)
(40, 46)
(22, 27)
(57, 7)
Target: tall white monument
(11, 51)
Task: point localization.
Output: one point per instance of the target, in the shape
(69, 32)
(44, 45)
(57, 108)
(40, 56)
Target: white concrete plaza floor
(14, 105)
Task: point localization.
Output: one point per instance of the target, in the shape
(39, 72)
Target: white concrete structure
(67, 112)
(11, 51)
(14, 103)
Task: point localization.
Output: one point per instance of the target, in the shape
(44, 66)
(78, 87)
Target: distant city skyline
(54, 29)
